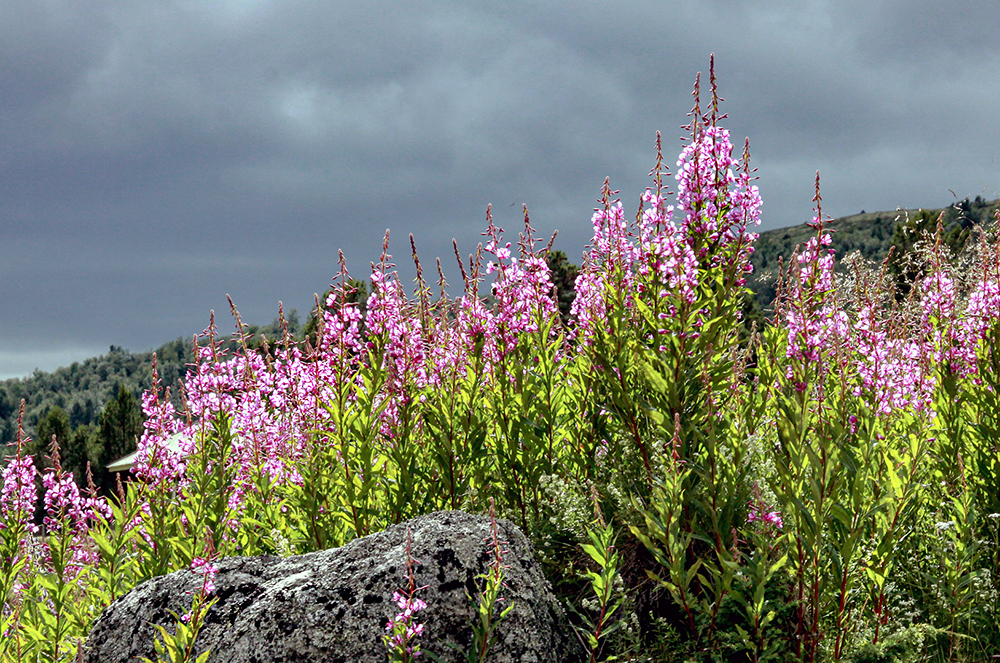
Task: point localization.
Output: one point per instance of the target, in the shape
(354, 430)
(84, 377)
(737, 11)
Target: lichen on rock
(333, 605)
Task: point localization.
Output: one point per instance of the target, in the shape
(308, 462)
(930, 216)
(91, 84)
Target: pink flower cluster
(18, 496)
(954, 333)
(208, 571)
(402, 627)
(813, 321)
(894, 369)
(276, 403)
(890, 357)
(68, 515)
(769, 518)
(718, 206)
(523, 290)
(607, 269)
(981, 310)
(63, 503)
(392, 315)
(68, 512)
(17, 506)
(667, 260)
(664, 254)
(155, 462)
(273, 403)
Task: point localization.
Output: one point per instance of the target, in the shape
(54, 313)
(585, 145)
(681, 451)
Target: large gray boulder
(333, 605)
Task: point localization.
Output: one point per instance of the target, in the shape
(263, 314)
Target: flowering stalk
(402, 630)
(17, 502)
(55, 605)
(488, 616)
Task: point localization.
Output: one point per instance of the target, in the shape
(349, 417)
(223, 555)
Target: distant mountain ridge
(871, 233)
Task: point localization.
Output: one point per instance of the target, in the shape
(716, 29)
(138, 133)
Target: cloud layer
(156, 155)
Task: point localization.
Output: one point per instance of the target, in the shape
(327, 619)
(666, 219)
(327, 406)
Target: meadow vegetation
(828, 489)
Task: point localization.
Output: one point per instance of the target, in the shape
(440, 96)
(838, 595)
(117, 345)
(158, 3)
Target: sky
(157, 155)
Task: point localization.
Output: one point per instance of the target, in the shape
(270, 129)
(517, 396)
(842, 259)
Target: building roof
(125, 463)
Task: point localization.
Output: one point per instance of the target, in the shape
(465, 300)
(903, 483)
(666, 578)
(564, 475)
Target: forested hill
(81, 392)
(82, 389)
(871, 233)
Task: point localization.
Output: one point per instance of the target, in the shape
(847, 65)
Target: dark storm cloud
(156, 155)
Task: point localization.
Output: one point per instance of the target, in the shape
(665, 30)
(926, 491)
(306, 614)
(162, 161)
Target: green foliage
(770, 514)
(607, 589)
(905, 646)
(179, 646)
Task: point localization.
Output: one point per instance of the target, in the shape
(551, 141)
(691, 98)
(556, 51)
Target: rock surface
(333, 605)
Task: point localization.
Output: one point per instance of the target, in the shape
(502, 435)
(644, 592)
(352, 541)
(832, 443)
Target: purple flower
(771, 518)
(17, 499)
(207, 570)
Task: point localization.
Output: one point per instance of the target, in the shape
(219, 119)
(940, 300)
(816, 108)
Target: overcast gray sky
(157, 155)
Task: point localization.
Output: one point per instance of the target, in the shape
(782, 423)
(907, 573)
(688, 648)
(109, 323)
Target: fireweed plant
(402, 629)
(828, 491)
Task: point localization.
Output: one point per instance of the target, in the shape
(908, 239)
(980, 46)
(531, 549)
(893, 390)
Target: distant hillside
(84, 388)
(871, 233)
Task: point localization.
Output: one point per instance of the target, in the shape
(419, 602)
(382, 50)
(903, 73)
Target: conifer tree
(118, 429)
